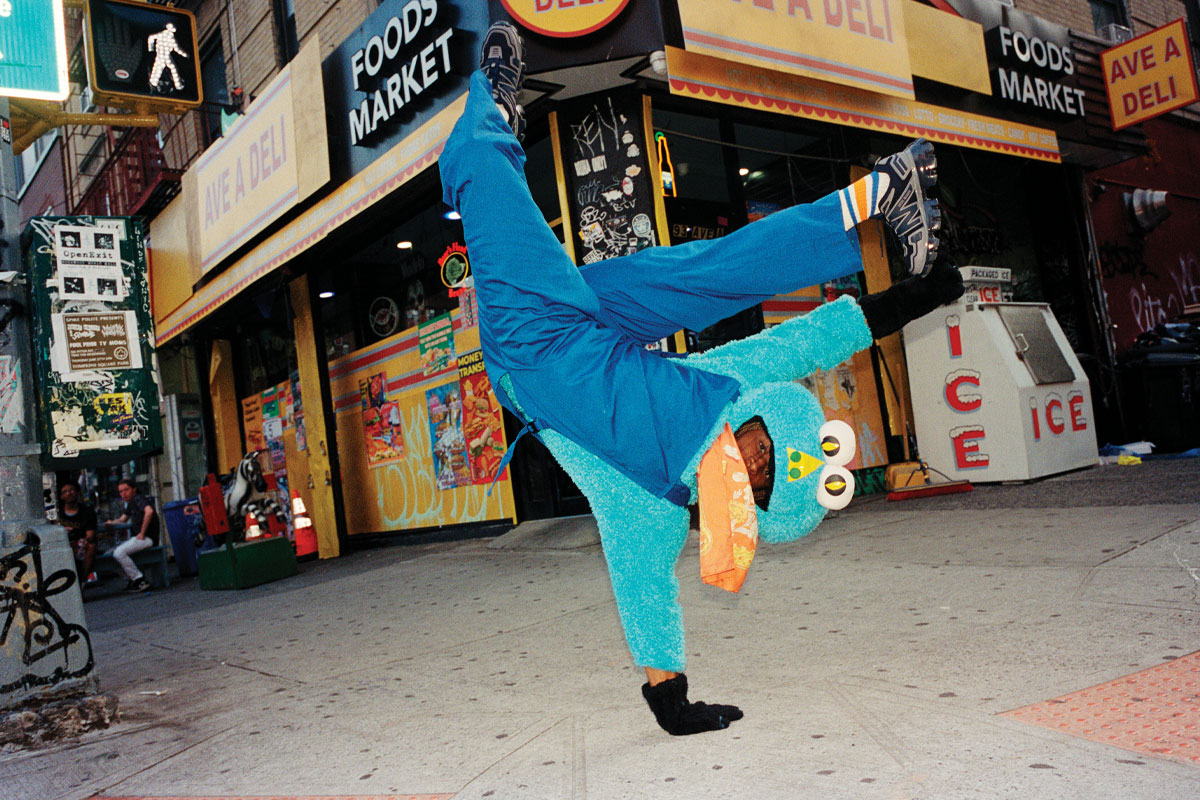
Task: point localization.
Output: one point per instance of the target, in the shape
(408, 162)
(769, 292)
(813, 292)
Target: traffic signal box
(142, 56)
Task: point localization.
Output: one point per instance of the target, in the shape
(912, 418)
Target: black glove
(668, 700)
(893, 308)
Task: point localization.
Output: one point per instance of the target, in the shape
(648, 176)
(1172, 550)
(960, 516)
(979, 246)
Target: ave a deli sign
(564, 18)
(1149, 75)
(860, 43)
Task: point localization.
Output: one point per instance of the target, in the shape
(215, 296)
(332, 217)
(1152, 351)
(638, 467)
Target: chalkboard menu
(609, 187)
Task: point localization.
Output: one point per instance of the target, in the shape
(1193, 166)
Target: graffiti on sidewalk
(51, 649)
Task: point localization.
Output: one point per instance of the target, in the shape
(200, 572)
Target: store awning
(721, 81)
(384, 176)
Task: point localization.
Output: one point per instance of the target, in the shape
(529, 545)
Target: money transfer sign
(33, 50)
(1149, 75)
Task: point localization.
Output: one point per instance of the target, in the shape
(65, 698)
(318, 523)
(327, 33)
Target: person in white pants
(144, 519)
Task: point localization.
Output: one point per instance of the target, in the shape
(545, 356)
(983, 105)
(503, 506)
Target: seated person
(144, 520)
(80, 521)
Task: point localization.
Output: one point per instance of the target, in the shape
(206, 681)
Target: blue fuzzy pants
(548, 331)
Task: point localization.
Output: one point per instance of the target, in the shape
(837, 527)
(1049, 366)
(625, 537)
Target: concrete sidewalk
(873, 659)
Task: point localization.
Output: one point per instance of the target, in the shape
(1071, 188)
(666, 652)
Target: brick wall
(1145, 15)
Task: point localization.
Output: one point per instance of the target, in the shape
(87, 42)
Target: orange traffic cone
(306, 535)
(252, 529)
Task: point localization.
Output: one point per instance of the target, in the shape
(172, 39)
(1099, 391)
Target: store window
(285, 27)
(390, 283)
(216, 90)
(264, 346)
(1108, 12)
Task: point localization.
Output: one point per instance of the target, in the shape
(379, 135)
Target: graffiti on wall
(50, 649)
(1167, 300)
(407, 493)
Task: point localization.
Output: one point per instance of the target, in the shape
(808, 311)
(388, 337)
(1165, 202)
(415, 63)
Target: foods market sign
(400, 65)
(1032, 65)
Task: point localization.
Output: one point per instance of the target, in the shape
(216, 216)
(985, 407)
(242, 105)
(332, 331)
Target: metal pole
(21, 506)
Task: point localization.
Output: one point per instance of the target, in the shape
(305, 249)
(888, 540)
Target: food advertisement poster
(446, 437)
(381, 423)
(436, 339)
(483, 420)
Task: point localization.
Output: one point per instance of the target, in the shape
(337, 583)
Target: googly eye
(836, 488)
(837, 442)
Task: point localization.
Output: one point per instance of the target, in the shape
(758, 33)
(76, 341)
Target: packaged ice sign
(1149, 75)
(33, 50)
(998, 395)
(564, 18)
(142, 55)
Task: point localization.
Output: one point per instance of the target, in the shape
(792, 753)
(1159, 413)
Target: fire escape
(132, 179)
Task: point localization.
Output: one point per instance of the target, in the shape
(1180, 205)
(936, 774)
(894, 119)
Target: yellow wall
(173, 271)
(404, 495)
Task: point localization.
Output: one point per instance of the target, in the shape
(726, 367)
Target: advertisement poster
(483, 422)
(270, 403)
(283, 394)
(273, 438)
(298, 413)
(446, 435)
(436, 339)
(92, 343)
(84, 342)
(12, 398)
(89, 263)
(381, 423)
(252, 423)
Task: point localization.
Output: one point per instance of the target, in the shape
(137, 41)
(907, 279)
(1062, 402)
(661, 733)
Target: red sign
(564, 18)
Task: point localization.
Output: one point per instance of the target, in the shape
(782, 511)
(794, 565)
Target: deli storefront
(331, 312)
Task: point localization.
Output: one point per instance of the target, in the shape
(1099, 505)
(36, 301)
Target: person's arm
(147, 515)
(821, 339)
(121, 520)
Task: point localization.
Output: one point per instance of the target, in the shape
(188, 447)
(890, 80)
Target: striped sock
(860, 200)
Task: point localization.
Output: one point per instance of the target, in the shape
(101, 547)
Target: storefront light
(743, 172)
(325, 295)
(405, 245)
(452, 215)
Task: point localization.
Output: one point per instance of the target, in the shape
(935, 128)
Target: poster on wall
(273, 439)
(446, 437)
(85, 343)
(252, 423)
(12, 397)
(89, 263)
(381, 423)
(483, 422)
(609, 192)
(436, 339)
(93, 335)
(297, 418)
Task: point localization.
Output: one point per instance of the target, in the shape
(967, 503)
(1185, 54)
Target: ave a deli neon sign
(564, 18)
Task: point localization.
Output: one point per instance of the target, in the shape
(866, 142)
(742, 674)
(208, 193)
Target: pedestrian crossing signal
(142, 56)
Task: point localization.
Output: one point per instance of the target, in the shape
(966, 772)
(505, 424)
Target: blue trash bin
(181, 517)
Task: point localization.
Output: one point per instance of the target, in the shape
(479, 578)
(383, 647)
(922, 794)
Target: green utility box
(240, 566)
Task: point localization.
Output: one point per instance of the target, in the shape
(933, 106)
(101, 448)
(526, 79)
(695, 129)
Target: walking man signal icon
(163, 45)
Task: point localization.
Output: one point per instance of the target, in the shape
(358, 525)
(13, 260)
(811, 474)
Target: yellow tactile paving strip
(1154, 712)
